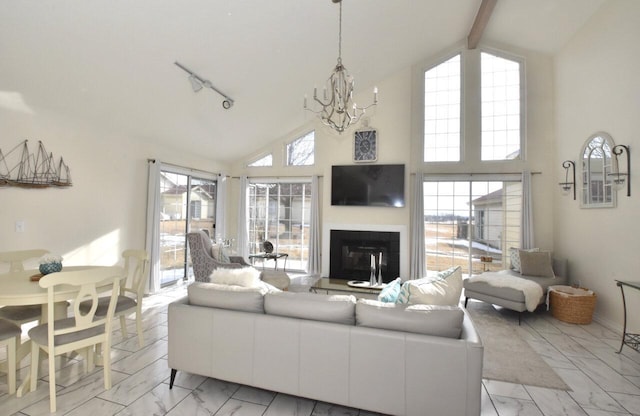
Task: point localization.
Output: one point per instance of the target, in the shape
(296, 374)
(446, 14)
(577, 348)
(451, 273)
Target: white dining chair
(24, 313)
(136, 270)
(82, 331)
(10, 337)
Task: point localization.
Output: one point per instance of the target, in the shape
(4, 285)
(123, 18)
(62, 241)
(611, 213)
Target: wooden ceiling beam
(480, 23)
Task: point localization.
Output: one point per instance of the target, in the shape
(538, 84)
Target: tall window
(279, 212)
(301, 151)
(442, 112)
(501, 107)
(468, 221)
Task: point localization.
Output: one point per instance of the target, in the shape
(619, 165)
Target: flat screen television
(368, 185)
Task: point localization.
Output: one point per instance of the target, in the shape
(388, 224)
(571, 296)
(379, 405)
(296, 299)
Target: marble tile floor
(603, 382)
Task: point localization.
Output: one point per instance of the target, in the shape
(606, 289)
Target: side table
(270, 256)
(630, 340)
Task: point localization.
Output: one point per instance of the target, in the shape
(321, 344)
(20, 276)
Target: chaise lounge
(515, 289)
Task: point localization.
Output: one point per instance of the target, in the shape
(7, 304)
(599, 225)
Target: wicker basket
(572, 305)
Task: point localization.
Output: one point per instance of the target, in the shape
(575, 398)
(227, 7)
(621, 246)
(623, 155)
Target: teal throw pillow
(391, 292)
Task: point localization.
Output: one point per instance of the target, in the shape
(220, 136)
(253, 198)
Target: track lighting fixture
(197, 83)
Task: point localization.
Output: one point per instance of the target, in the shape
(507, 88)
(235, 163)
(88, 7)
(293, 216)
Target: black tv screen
(368, 185)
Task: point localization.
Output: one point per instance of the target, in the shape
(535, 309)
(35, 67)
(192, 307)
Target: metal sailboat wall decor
(32, 170)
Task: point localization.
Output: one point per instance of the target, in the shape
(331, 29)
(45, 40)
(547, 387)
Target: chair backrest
(202, 259)
(88, 282)
(17, 258)
(136, 270)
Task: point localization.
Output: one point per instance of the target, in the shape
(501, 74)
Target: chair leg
(123, 326)
(139, 329)
(35, 352)
(52, 382)
(173, 378)
(106, 363)
(12, 345)
(466, 300)
(90, 359)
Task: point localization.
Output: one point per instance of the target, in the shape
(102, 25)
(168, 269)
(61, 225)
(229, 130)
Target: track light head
(195, 84)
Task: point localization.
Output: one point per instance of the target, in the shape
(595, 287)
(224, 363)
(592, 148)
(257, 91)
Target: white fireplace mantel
(404, 242)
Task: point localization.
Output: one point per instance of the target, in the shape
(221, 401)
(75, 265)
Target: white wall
(598, 89)
(395, 118)
(104, 212)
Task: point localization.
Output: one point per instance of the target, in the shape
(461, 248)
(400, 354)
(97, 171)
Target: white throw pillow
(442, 289)
(245, 276)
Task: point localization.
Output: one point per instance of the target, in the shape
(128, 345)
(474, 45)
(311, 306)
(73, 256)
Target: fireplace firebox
(351, 251)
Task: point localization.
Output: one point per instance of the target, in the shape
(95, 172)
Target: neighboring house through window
(187, 203)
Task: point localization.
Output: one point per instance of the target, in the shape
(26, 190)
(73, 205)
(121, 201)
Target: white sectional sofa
(387, 358)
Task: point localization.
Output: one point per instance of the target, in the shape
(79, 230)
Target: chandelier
(336, 108)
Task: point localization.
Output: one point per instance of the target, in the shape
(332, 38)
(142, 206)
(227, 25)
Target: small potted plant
(50, 263)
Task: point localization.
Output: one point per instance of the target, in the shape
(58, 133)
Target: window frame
(432, 64)
(299, 138)
(250, 164)
(470, 107)
(470, 179)
(523, 100)
(307, 181)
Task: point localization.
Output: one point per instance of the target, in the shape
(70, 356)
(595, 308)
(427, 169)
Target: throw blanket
(532, 291)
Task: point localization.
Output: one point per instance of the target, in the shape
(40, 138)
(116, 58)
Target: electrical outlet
(20, 226)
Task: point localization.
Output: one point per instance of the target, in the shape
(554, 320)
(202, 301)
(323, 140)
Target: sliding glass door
(187, 203)
(279, 212)
(471, 223)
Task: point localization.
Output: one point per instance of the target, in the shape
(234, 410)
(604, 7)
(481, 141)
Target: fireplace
(351, 251)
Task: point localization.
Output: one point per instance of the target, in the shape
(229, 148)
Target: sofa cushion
(536, 264)
(328, 308)
(248, 299)
(244, 276)
(438, 320)
(444, 288)
(391, 292)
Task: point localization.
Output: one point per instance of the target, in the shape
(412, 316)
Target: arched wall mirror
(597, 164)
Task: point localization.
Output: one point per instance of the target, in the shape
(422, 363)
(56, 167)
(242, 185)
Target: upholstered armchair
(202, 260)
(204, 263)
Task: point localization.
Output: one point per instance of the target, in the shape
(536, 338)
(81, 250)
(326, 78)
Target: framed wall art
(365, 145)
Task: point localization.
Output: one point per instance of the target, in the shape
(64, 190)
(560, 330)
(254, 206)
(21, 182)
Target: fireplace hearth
(351, 251)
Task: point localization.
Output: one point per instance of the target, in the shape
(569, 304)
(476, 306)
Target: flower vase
(379, 282)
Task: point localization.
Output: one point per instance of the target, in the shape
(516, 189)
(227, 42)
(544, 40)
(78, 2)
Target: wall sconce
(566, 185)
(620, 177)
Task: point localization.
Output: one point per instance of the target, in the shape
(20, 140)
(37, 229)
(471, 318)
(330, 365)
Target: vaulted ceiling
(111, 62)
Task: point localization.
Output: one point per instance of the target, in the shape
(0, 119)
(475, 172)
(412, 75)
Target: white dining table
(17, 288)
